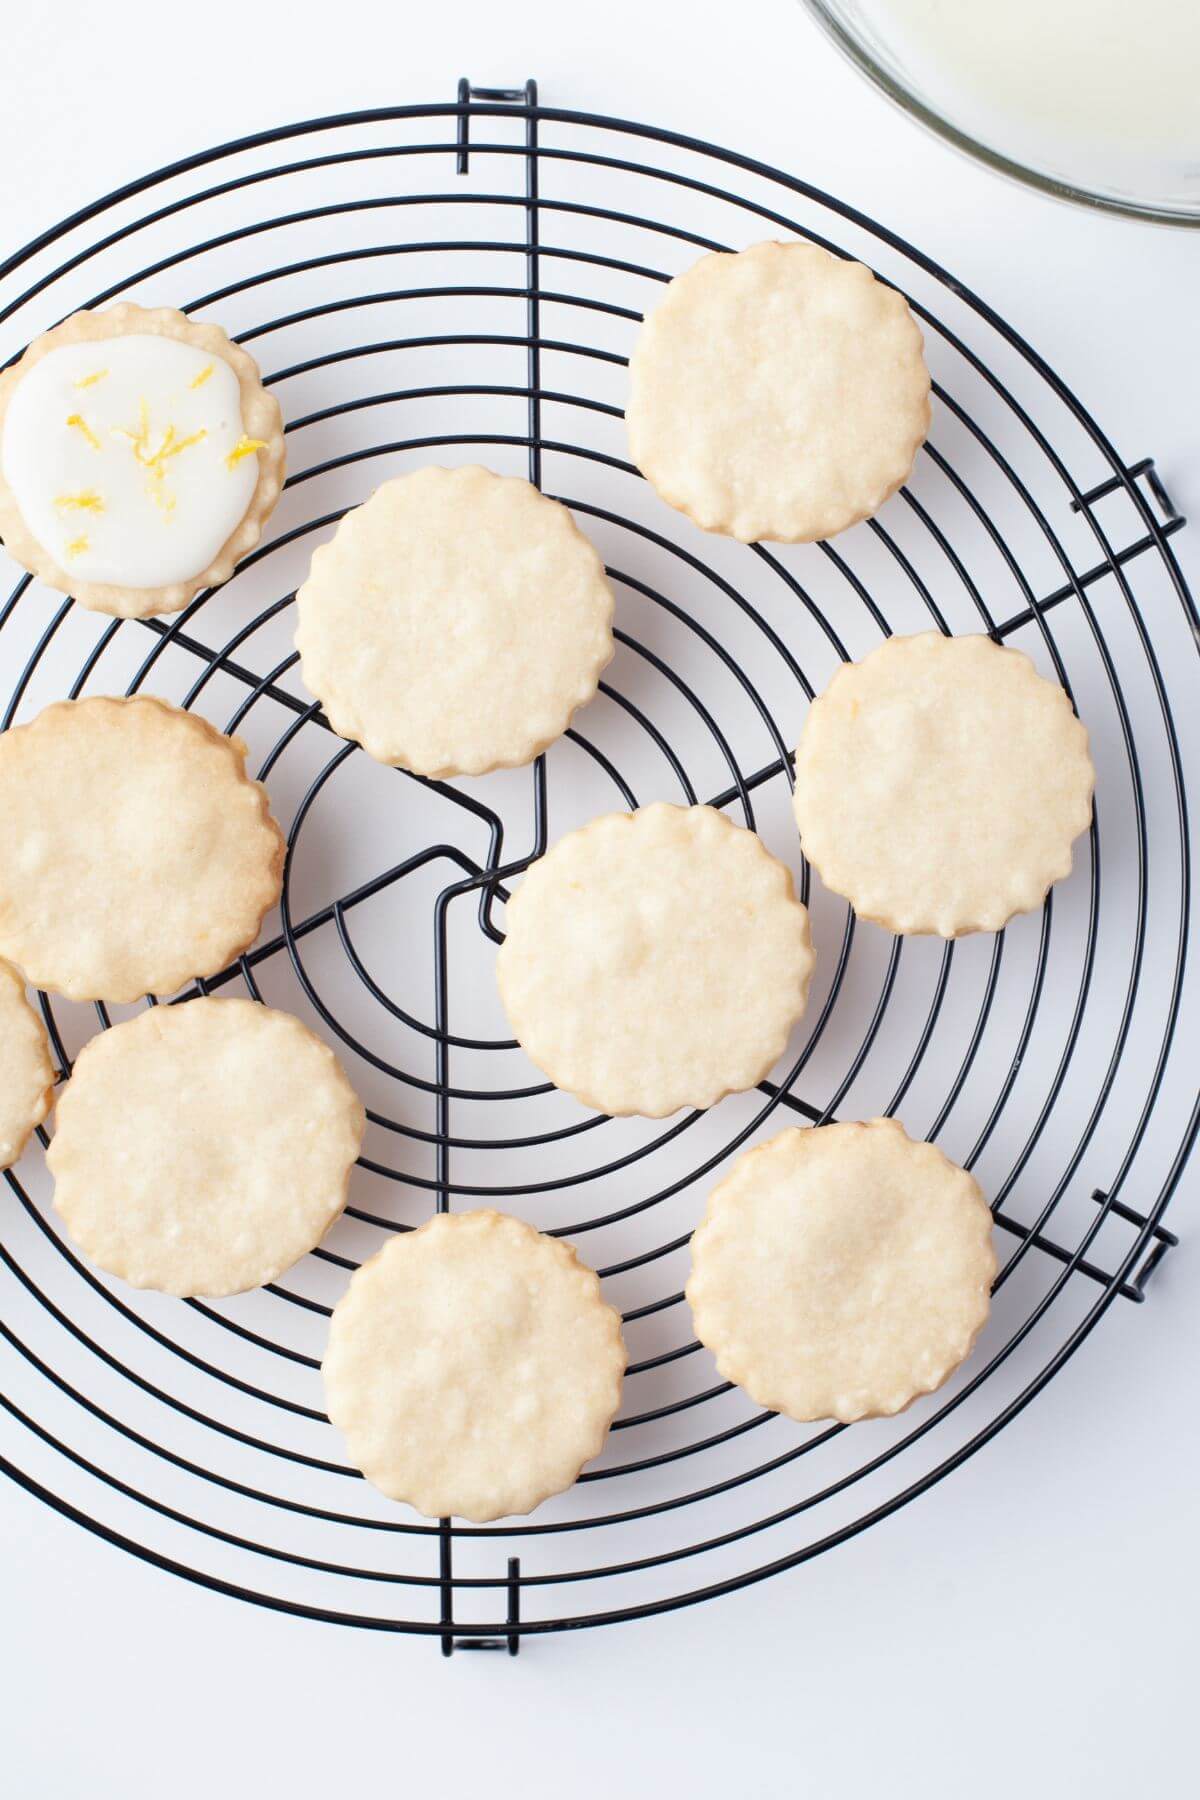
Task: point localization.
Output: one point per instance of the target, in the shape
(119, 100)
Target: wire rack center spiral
(462, 282)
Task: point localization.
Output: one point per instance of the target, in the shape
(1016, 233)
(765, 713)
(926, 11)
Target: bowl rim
(829, 17)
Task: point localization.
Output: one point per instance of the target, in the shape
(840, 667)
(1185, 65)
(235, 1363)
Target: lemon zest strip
(87, 500)
(245, 446)
(155, 461)
(79, 423)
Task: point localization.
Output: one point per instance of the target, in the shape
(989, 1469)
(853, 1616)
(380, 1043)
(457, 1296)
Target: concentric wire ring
(193, 1434)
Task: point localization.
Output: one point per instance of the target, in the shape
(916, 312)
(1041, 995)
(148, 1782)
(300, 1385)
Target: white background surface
(1025, 1627)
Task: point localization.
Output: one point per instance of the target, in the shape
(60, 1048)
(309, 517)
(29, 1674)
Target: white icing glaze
(121, 495)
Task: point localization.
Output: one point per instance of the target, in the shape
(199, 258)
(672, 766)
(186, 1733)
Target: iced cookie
(26, 1071)
(777, 393)
(473, 1367)
(940, 784)
(455, 622)
(139, 457)
(841, 1271)
(203, 1148)
(655, 960)
(137, 853)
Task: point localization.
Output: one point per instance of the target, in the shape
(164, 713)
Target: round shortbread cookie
(655, 960)
(777, 393)
(140, 455)
(204, 1148)
(455, 622)
(941, 783)
(26, 1071)
(138, 853)
(473, 1367)
(842, 1270)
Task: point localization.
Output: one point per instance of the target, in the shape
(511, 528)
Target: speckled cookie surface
(138, 853)
(941, 783)
(473, 1367)
(655, 960)
(26, 1071)
(777, 393)
(455, 622)
(140, 455)
(841, 1271)
(203, 1148)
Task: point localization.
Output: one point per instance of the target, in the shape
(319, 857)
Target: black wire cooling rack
(462, 281)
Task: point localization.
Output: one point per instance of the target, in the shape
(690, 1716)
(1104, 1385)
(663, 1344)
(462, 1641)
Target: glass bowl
(1096, 101)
